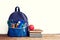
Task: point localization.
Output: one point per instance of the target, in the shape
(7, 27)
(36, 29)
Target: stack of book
(36, 33)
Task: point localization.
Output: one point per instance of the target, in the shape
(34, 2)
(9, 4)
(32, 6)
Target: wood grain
(44, 37)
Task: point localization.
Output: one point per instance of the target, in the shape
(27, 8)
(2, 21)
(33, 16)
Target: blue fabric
(14, 18)
(13, 32)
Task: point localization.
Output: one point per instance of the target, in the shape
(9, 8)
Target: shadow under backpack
(21, 19)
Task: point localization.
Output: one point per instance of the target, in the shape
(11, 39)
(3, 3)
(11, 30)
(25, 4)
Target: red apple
(31, 27)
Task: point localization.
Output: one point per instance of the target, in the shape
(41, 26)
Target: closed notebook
(36, 33)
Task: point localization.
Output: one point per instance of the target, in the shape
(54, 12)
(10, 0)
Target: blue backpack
(22, 28)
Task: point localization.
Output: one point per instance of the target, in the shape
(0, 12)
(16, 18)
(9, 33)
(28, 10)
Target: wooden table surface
(44, 37)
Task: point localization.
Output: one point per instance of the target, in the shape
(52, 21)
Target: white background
(43, 14)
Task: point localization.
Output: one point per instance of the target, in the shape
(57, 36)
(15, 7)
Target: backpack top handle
(17, 9)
